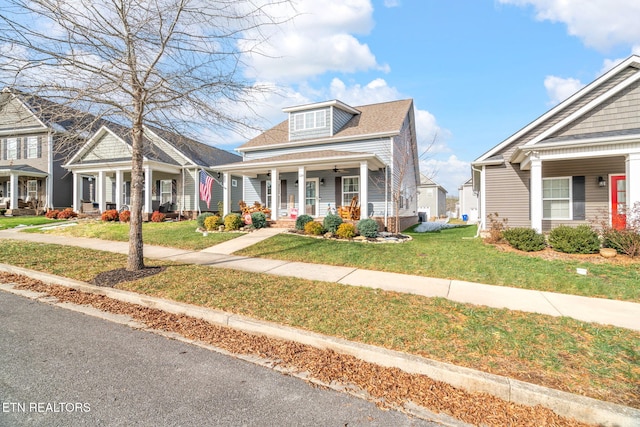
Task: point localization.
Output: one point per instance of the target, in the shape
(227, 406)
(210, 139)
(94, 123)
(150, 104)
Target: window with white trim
(309, 120)
(12, 149)
(556, 198)
(166, 186)
(268, 195)
(350, 188)
(32, 147)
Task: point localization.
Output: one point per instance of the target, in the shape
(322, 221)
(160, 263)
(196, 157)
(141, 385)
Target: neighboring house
(468, 201)
(32, 146)
(578, 162)
(432, 199)
(326, 153)
(101, 172)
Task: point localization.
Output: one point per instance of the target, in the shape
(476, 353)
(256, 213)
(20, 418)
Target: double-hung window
(32, 147)
(350, 188)
(32, 189)
(12, 148)
(166, 190)
(556, 198)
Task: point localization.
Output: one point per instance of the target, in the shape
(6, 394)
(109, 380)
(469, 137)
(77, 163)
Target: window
(165, 191)
(350, 188)
(12, 149)
(556, 198)
(32, 189)
(32, 147)
(268, 196)
(309, 120)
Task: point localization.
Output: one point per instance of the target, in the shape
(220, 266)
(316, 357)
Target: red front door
(618, 201)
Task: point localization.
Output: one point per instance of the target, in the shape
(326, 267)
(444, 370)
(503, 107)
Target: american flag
(205, 187)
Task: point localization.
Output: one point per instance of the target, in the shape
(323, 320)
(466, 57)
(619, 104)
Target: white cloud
(560, 89)
(600, 24)
(391, 3)
(449, 172)
(319, 38)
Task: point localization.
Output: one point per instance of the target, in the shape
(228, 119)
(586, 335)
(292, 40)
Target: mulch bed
(552, 255)
(388, 387)
(113, 277)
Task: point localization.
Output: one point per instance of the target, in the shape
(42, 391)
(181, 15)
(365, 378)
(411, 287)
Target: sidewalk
(611, 312)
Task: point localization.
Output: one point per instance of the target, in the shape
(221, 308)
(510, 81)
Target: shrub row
(61, 214)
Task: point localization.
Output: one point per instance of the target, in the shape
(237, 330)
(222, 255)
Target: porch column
(148, 190)
(101, 193)
(226, 193)
(13, 189)
(119, 176)
(632, 166)
(275, 194)
(364, 190)
(536, 192)
(77, 191)
(302, 190)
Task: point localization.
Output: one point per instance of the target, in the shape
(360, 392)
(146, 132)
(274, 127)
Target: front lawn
(179, 234)
(589, 359)
(456, 254)
(17, 221)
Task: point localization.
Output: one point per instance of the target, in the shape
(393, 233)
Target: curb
(581, 408)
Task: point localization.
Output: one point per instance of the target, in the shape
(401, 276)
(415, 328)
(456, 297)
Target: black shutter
(39, 145)
(174, 191)
(18, 146)
(25, 148)
(578, 197)
(157, 190)
(338, 191)
(263, 192)
(4, 149)
(283, 192)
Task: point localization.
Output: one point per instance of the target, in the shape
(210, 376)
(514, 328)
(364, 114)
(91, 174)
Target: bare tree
(173, 64)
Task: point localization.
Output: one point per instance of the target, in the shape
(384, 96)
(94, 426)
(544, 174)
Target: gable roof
(385, 118)
(586, 99)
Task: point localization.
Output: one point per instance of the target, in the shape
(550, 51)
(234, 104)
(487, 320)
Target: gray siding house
(468, 201)
(432, 198)
(101, 172)
(326, 153)
(33, 143)
(577, 163)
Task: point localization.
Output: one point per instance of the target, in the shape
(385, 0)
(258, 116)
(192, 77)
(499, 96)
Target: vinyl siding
(379, 146)
(507, 194)
(166, 148)
(108, 147)
(340, 118)
(15, 116)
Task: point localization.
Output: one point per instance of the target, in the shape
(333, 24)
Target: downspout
(481, 198)
(181, 212)
(386, 198)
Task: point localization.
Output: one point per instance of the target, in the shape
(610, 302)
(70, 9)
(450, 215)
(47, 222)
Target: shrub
(200, 219)
(258, 220)
(67, 213)
(124, 216)
(313, 228)
(331, 223)
(302, 220)
(212, 222)
(496, 228)
(368, 227)
(109, 215)
(524, 239)
(574, 240)
(625, 241)
(346, 230)
(232, 221)
(157, 216)
(52, 214)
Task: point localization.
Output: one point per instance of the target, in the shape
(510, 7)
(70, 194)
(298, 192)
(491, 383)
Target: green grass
(15, 221)
(594, 360)
(179, 234)
(455, 254)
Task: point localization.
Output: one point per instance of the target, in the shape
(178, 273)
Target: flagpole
(198, 179)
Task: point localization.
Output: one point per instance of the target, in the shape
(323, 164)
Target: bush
(368, 227)
(232, 221)
(574, 240)
(157, 216)
(110, 215)
(496, 228)
(302, 220)
(67, 213)
(52, 214)
(624, 241)
(331, 223)
(258, 220)
(313, 228)
(212, 222)
(124, 216)
(200, 219)
(524, 239)
(346, 230)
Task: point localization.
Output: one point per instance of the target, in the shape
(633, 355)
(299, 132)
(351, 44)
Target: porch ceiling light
(602, 182)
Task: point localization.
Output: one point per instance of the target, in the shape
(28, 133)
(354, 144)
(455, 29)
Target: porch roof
(313, 160)
(22, 170)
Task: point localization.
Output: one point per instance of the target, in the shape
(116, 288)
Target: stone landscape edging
(581, 408)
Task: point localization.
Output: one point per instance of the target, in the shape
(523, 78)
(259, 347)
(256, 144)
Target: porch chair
(351, 212)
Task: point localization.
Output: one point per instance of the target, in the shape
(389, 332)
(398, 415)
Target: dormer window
(310, 120)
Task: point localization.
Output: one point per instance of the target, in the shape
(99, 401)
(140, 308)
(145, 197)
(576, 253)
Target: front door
(618, 201)
(312, 201)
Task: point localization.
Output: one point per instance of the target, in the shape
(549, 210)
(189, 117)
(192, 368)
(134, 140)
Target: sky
(477, 70)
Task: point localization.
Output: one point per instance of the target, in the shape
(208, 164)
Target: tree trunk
(135, 261)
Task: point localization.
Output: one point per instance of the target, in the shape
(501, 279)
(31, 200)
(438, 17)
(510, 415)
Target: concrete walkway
(611, 312)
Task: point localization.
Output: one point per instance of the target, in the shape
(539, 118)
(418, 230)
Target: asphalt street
(63, 368)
